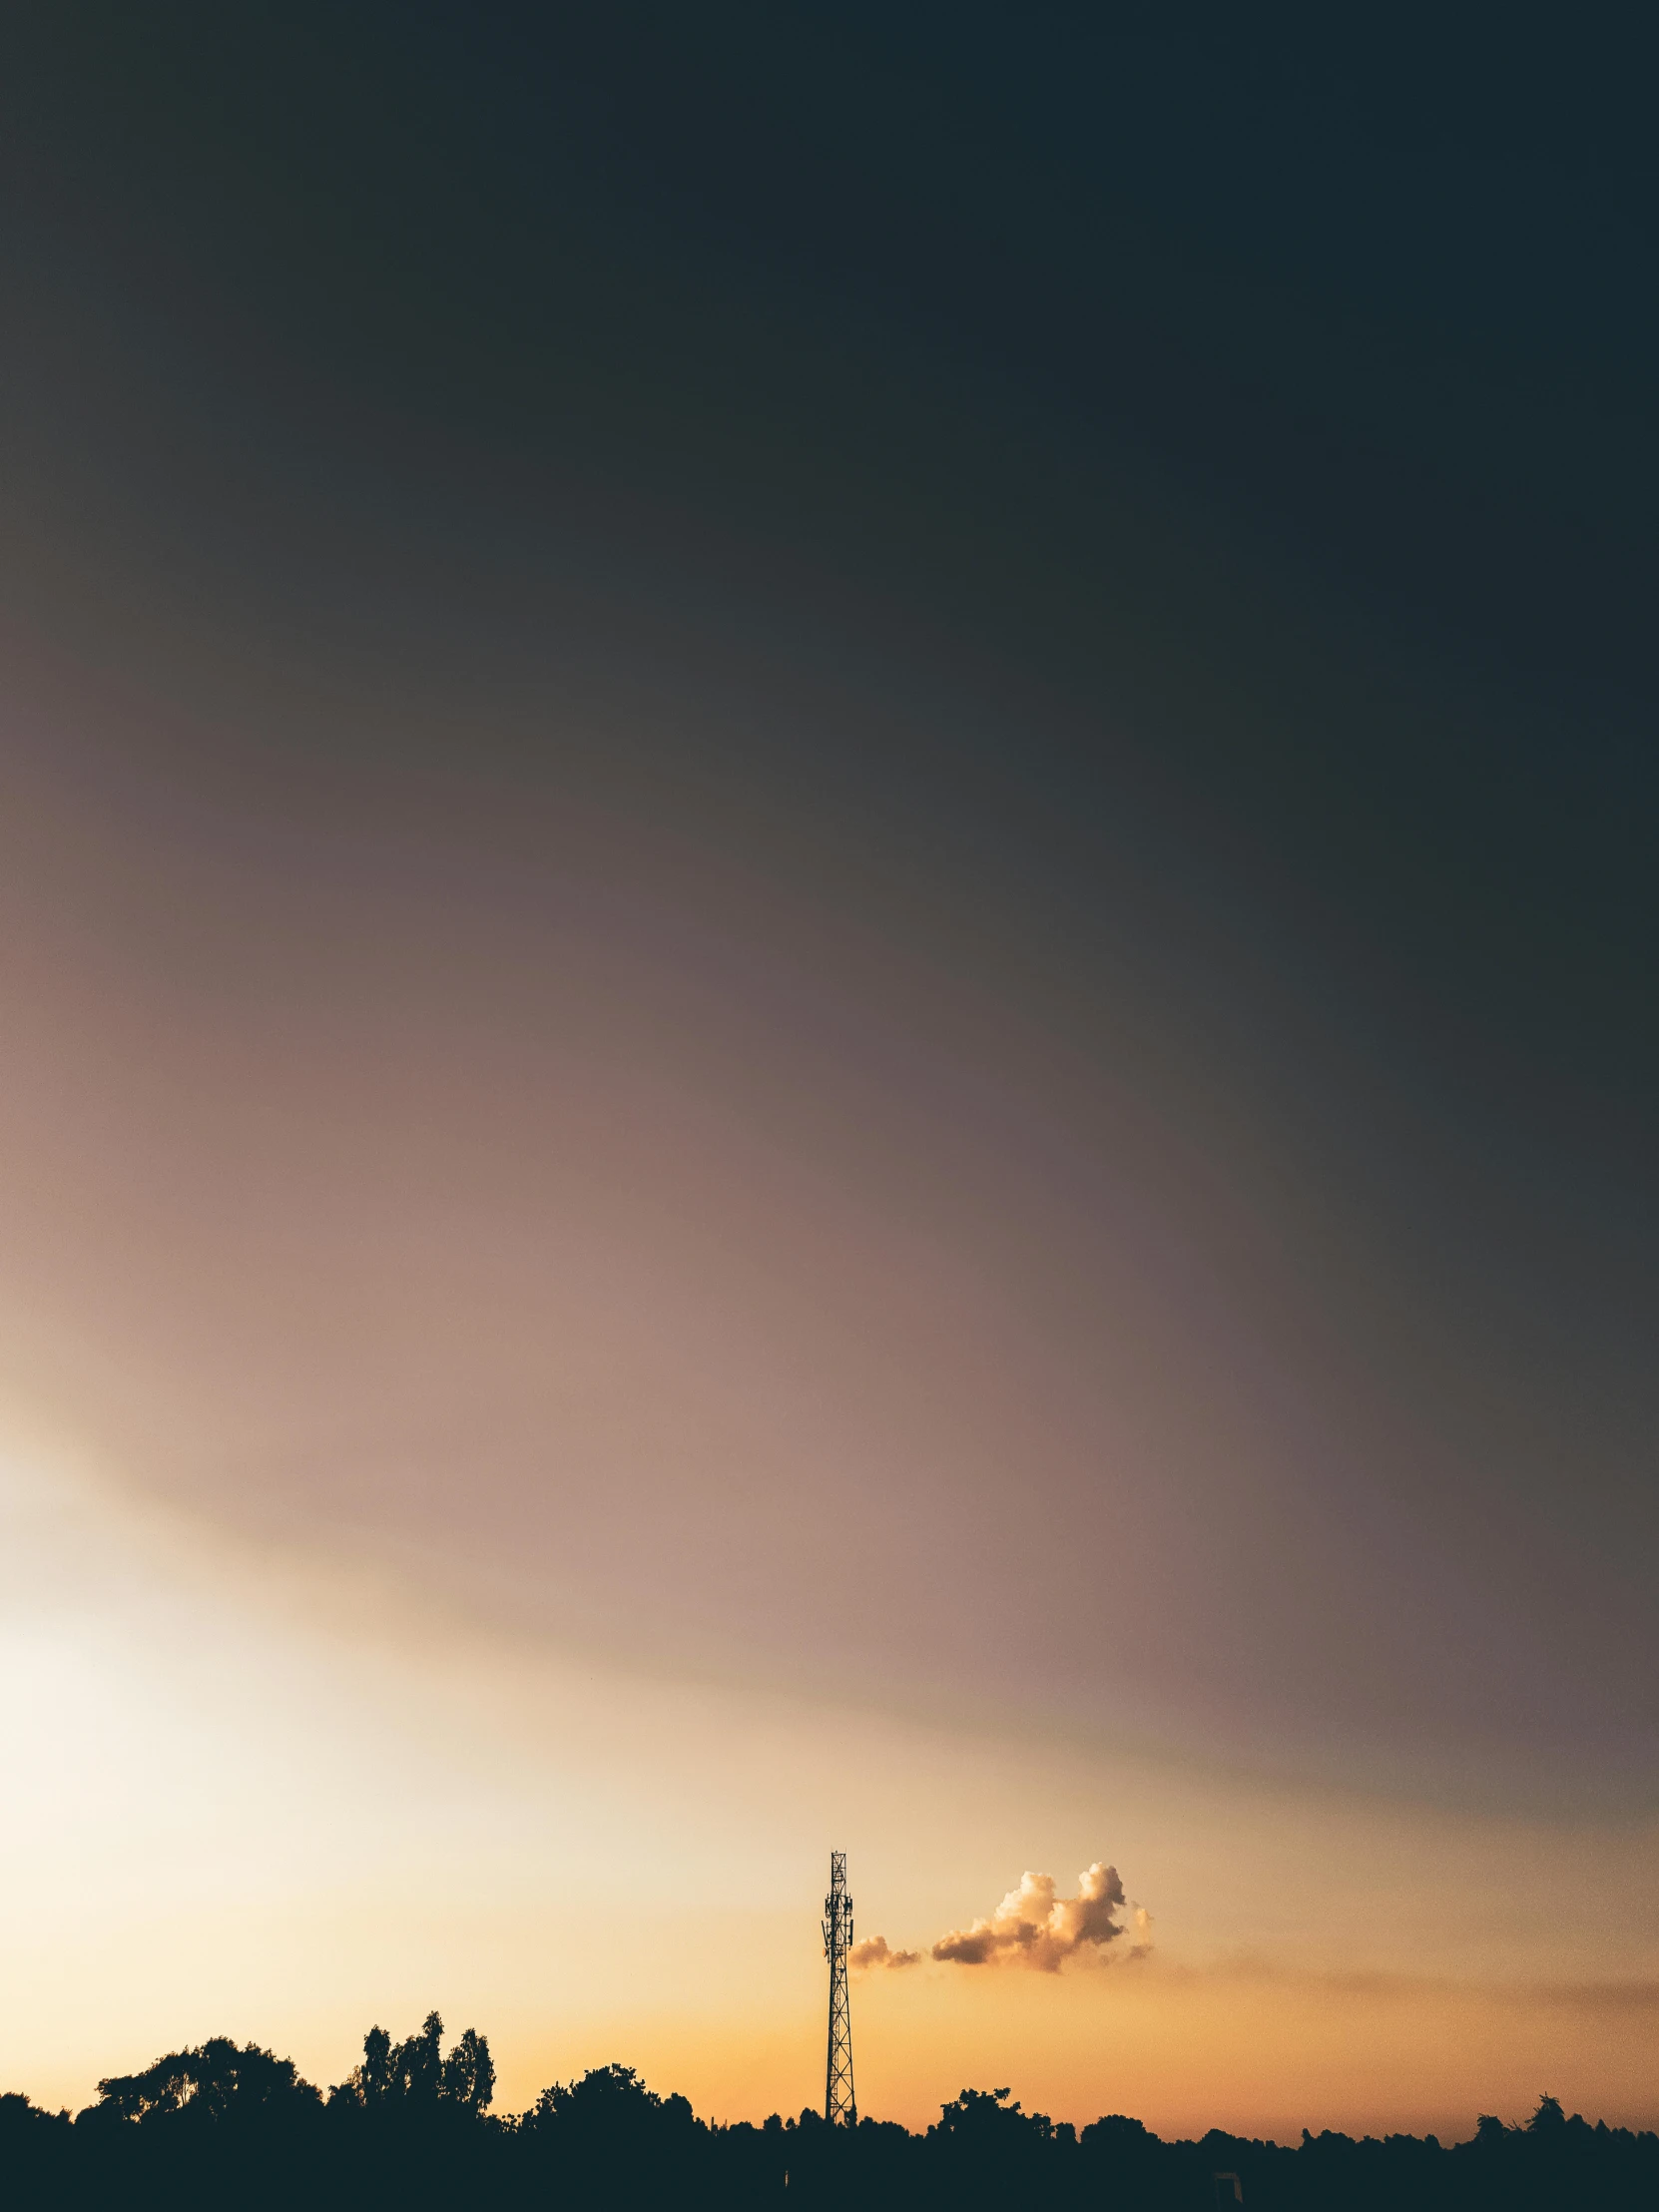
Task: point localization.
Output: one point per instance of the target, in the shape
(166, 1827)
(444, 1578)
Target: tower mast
(839, 2105)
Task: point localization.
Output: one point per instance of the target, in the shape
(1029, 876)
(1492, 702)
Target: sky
(827, 938)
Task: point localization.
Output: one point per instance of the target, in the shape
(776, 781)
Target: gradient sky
(827, 939)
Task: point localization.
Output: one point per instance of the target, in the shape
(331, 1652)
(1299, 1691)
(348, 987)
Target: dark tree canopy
(225, 2124)
(208, 2083)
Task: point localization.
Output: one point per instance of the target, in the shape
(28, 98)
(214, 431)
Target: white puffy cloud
(1034, 1928)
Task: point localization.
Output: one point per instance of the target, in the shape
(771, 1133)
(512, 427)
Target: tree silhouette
(417, 2073)
(469, 2073)
(210, 2082)
(223, 2124)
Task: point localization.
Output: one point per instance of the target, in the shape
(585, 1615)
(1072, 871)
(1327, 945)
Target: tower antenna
(841, 2108)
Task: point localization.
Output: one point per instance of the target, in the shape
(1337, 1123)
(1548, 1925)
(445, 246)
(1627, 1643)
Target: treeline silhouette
(233, 2125)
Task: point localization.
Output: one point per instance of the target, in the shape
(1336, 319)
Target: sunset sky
(828, 953)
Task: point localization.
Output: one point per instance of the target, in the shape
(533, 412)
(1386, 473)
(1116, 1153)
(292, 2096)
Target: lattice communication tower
(841, 2108)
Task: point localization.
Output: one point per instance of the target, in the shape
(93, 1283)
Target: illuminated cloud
(1034, 1928)
(875, 1950)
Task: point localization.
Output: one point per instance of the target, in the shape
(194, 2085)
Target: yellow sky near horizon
(275, 1795)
